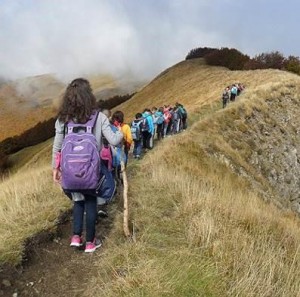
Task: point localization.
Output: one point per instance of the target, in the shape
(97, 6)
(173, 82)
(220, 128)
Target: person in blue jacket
(147, 128)
(159, 116)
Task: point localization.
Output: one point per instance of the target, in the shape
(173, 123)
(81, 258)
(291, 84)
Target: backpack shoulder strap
(89, 125)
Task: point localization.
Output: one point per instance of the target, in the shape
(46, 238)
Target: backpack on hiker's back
(145, 125)
(136, 130)
(225, 95)
(160, 118)
(80, 158)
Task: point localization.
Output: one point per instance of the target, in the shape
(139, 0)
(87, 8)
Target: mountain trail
(51, 267)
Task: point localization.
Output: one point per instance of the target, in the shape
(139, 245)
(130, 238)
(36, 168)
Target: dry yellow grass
(29, 203)
(199, 229)
(195, 84)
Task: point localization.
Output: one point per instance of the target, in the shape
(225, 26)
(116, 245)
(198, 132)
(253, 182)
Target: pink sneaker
(90, 247)
(76, 241)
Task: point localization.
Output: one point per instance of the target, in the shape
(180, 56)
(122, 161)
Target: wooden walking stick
(125, 200)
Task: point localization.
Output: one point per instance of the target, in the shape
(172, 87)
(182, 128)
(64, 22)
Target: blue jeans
(137, 149)
(90, 206)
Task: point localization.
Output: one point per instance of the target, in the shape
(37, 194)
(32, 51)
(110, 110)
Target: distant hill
(25, 102)
(194, 84)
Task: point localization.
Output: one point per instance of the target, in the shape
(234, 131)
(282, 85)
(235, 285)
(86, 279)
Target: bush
(253, 64)
(230, 58)
(235, 60)
(199, 52)
(292, 64)
(274, 60)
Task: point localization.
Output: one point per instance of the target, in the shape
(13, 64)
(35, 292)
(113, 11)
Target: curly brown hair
(78, 102)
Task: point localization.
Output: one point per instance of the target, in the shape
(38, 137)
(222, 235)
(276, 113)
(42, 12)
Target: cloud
(78, 37)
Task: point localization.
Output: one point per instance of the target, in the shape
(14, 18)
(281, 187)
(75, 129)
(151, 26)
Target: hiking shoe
(76, 241)
(90, 247)
(102, 213)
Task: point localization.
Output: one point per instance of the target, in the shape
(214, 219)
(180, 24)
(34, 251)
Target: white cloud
(79, 37)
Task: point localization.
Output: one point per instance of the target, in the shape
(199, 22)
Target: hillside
(27, 101)
(195, 84)
(213, 209)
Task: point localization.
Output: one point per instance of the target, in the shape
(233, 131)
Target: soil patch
(51, 267)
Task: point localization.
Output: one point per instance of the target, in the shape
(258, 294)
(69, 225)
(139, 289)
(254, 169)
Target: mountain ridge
(206, 216)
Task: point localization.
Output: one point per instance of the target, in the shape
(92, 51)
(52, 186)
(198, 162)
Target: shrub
(235, 60)
(227, 57)
(292, 64)
(274, 60)
(253, 64)
(199, 52)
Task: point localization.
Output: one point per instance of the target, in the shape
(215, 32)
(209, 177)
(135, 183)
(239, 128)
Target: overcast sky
(78, 37)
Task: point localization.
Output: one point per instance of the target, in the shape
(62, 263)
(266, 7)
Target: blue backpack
(117, 152)
(160, 118)
(136, 130)
(107, 185)
(80, 158)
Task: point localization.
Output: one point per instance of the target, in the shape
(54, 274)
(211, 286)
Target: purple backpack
(80, 158)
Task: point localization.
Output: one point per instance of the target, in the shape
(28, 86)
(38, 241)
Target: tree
(274, 60)
(292, 64)
(199, 52)
(227, 57)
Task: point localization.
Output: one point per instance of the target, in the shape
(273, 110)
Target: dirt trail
(52, 267)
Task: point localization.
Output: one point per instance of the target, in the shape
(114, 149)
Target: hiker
(225, 97)
(176, 120)
(171, 123)
(159, 114)
(118, 120)
(154, 118)
(167, 120)
(78, 119)
(136, 132)
(107, 190)
(105, 151)
(240, 88)
(147, 128)
(183, 114)
(233, 93)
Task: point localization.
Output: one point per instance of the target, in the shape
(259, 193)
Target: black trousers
(146, 139)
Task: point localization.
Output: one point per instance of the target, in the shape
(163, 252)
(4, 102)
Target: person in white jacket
(79, 105)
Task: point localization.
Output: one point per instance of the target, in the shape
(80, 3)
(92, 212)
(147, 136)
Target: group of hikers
(231, 92)
(163, 121)
(89, 147)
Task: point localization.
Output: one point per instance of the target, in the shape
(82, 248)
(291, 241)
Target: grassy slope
(26, 102)
(199, 230)
(29, 201)
(194, 84)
